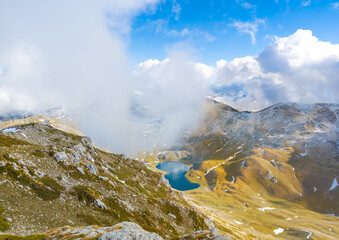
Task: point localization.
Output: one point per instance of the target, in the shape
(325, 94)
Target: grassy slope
(237, 210)
(64, 196)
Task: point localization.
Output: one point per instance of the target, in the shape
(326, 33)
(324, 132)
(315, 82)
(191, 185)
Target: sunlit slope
(250, 197)
(290, 150)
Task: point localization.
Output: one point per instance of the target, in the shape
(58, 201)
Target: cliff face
(50, 178)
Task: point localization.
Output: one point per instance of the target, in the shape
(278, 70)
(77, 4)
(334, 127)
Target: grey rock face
(103, 178)
(80, 169)
(92, 169)
(99, 203)
(61, 157)
(270, 176)
(129, 231)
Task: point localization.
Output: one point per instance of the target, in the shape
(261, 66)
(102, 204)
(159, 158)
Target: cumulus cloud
(251, 27)
(72, 54)
(298, 68)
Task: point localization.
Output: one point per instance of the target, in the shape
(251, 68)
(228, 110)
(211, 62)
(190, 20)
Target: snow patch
(243, 164)
(278, 231)
(24, 135)
(233, 179)
(309, 234)
(334, 184)
(120, 180)
(314, 189)
(303, 154)
(331, 214)
(265, 208)
(240, 223)
(10, 130)
(208, 171)
(44, 121)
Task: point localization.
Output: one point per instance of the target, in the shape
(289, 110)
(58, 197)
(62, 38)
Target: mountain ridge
(50, 178)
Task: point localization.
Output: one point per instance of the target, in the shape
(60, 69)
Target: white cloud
(161, 26)
(245, 4)
(173, 91)
(72, 53)
(249, 27)
(335, 5)
(176, 9)
(190, 33)
(298, 68)
(306, 3)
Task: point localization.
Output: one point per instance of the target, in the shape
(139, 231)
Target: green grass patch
(170, 208)
(39, 189)
(50, 182)
(6, 141)
(116, 210)
(88, 219)
(31, 237)
(3, 222)
(44, 193)
(198, 221)
(38, 153)
(84, 193)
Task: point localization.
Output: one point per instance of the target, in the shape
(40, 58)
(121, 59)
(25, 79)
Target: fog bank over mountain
(73, 54)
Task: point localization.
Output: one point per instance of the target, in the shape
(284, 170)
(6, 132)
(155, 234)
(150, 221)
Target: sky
(135, 74)
(227, 29)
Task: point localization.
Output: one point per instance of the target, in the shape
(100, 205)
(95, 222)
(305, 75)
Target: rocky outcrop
(125, 231)
(212, 234)
(129, 231)
(120, 231)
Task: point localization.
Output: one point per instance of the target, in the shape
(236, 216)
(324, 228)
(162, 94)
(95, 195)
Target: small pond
(176, 175)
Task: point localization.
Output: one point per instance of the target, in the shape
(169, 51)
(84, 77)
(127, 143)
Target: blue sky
(219, 29)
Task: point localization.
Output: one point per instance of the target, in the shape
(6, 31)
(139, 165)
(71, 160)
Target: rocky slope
(50, 178)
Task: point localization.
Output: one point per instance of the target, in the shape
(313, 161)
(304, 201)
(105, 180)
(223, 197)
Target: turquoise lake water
(176, 175)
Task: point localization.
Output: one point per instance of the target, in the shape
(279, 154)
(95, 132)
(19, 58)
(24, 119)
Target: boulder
(129, 231)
